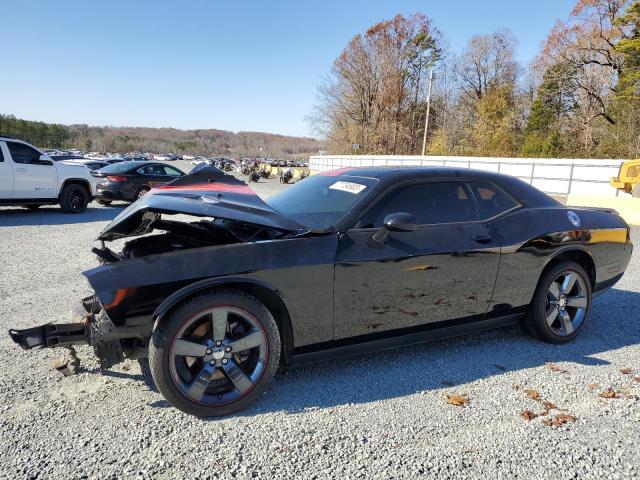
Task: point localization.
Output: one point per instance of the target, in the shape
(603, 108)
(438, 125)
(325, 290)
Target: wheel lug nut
(208, 351)
(227, 349)
(224, 360)
(212, 362)
(218, 343)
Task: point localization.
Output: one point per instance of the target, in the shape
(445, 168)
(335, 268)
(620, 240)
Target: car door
(6, 175)
(444, 270)
(32, 178)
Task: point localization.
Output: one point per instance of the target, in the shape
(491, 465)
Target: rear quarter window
(492, 200)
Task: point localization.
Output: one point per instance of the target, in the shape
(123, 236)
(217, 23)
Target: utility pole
(426, 120)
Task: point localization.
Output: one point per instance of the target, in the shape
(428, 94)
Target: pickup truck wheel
(74, 198)
(560, 307)
(215, 354)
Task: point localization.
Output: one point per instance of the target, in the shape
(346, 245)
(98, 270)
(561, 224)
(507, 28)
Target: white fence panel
(555, 176)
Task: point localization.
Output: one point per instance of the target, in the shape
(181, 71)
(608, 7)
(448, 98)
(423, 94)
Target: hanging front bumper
(61, 334)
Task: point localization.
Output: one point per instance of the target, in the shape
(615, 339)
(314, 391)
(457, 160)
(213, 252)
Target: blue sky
(232, 65)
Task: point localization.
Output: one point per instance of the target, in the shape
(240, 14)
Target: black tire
(104, 202)
(142, 191)
(546, 319)
(635, 192)
(147, 377)
(177, 375)
(74, 198)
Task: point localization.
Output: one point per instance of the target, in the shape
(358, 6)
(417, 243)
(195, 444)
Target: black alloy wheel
(142, 191)
(215, 354)
(74, 199)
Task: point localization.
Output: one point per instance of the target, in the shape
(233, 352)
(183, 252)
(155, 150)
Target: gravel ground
(373, 416)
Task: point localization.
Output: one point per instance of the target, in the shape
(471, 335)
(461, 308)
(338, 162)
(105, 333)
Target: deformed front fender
(266, 293)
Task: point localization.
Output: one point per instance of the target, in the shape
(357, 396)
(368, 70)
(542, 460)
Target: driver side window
(430, 203)
(21, 153)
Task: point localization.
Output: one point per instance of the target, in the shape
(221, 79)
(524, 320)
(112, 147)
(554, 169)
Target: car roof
(525, 193)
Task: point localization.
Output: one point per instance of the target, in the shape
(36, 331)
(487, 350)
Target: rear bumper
(108, 192)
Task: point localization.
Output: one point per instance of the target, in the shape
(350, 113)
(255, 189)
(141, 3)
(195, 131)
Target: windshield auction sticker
(350, 187)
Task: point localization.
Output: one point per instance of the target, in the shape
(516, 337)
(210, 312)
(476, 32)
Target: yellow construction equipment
(628, 179)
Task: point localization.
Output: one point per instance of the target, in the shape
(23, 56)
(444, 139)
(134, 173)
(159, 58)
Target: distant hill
(160, 140)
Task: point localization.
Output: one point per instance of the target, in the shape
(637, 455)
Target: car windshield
(319, 202)
(119, 167)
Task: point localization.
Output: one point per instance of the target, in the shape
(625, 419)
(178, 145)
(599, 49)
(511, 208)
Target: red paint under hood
(205, 193)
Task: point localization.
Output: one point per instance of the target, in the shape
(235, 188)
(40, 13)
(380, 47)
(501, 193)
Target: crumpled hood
(208, 192)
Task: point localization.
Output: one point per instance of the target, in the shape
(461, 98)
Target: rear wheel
(215, 354)
(142, 191)
(74, 198)
(560, 307)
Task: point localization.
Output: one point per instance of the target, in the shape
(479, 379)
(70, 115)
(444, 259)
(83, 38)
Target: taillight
(116, 178)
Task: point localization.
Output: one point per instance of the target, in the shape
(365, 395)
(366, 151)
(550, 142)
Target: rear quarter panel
(531, 238)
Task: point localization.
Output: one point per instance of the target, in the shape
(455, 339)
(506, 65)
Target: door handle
(482, 238)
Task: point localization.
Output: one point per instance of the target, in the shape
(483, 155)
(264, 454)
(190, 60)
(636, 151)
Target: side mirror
(395, 222)
(44, 160)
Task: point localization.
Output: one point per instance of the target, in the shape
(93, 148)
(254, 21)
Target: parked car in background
(164, 157)
(129, 181)
(89, 163)
(32, 179)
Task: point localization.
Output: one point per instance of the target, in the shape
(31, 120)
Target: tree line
(160, 140)
(580, 96)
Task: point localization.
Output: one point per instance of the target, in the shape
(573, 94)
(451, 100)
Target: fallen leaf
(625, 371)
(550, 406)
(591, 386)
(472, 297)
(555, 368)
(528, 415)
(500, 367)
(608, 393)
(532, 394)
(636, 379)
(459, 400)
(559, 420)
(515, 386)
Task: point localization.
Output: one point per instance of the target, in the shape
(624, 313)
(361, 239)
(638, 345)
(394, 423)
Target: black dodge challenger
(218, 287)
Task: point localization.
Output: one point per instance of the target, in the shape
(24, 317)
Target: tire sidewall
(68, 192)
(166, 330)
(538, 320)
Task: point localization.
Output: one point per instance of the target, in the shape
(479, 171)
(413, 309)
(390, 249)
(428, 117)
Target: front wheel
(215, 354)
(560, 307)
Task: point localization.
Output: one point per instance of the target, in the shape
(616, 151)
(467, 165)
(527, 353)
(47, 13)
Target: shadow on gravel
(613, 324)
(52, 215)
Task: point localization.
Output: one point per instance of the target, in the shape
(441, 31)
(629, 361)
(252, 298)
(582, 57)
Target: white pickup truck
(31, 179)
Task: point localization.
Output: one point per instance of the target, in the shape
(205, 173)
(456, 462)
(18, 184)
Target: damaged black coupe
(218, 287)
